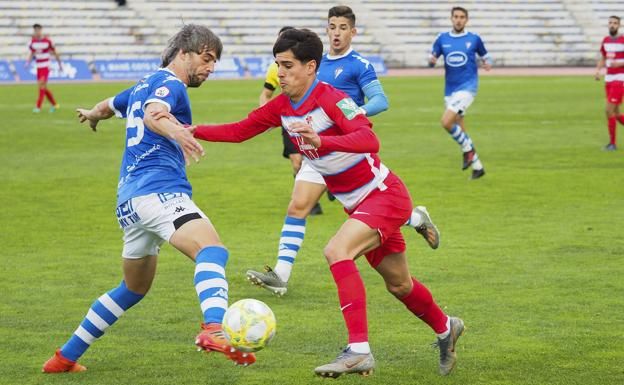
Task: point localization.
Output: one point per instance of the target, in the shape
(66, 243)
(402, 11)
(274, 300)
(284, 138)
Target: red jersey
(612, 50)
(347, 158)
(41, 49)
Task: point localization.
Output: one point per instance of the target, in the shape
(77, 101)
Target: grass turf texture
(531, 255)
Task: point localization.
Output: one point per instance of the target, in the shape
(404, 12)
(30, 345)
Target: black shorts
(289, 146)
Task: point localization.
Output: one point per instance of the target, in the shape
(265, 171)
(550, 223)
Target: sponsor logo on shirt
(162, 92)
(456, 59)
(348, 108)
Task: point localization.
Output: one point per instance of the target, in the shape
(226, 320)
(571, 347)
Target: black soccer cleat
(317, 209)
(476, 174)
(469, 158)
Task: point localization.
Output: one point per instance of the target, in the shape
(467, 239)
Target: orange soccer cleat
(212, 339)
(60, 364)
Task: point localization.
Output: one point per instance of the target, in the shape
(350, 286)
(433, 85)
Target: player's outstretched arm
(99, 112)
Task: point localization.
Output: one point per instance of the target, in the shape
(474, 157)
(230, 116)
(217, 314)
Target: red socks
(612, 121)
(41, 96)
(352, 296)
(50, 97)
(421, 303)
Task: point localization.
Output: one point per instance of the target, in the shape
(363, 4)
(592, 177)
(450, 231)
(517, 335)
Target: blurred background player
(612, 51)
(271, 83)
(337, 139)
(459, 48)
(348, 71)
(40, 48)
(154, 199)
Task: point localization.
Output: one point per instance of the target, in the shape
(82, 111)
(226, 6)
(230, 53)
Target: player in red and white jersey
(329, 129)
(612, 50)
(40, 49)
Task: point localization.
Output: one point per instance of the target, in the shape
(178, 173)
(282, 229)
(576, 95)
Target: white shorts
(150, 220)
(459, 101)
(308, 174)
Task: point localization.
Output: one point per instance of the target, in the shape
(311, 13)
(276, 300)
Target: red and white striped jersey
(612, 50)
(41, 49)
(347, 158)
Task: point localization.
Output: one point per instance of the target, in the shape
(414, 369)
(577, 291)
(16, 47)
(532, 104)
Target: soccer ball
(249, 325)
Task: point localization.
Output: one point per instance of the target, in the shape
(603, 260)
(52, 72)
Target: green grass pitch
(532, 255)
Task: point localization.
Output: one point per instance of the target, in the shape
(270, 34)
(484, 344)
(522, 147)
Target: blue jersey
(350, 73)
(151, 162)
(460, 60)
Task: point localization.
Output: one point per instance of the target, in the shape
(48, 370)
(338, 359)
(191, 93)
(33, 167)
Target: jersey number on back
(135, 122)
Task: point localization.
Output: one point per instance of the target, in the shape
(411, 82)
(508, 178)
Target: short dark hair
(37, 25)
(304, 44)
(285, 28)
(615, 17)
(462, 9)
(342, 11)
(192, 38)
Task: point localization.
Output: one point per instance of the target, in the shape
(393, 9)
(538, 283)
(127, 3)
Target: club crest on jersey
(162, 92)
(308, 120)
(348, 108)
(337, 72)
(468, 44)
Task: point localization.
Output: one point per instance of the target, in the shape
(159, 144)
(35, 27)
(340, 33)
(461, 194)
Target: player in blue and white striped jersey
(460, 49)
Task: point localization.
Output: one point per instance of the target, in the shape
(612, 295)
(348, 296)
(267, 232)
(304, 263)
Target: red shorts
(385, 211)
(615, 91)
(43, 74)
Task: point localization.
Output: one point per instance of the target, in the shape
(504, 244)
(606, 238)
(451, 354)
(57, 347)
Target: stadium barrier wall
(134, 69)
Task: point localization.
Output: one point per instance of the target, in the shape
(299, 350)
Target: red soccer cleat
(60, 364)
(212, 339)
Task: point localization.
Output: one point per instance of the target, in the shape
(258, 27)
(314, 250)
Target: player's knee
(141, 288)
(447, 124)
(399, 289)
(298, 207)
(334, 253)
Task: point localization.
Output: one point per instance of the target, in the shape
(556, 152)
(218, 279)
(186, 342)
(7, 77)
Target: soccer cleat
(610, 147)
(348, 362)
(54, 108)
(469, 157)
(36, 110)
(269, 280)
(427, 228)
(330, 196)
(476, 174)
(448, 357)
(316, 210)
(60, 364)
(212, 339)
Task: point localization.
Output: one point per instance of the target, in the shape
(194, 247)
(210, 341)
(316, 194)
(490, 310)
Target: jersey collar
(305, 97)
(453, 34)
(172, 73)
(336, 57)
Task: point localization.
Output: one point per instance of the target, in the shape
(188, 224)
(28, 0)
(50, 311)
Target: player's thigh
(353, 239)
(295, 161)
(139, 273)
(394, 270)
(449, 118)
(195, 235)
(308, 189)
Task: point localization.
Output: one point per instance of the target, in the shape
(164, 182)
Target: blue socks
(210, 283)
(293, 232)
(103, 313)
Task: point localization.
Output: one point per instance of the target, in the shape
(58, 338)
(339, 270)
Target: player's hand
(307, 133)
(487, 66)
(597, 75)
(84, 115)
(432, 61)
(190, 146)
(157, 115)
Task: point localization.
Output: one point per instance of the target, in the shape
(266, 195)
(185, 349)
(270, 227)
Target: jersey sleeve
(257, 122)
(481, 51)
(357, 131)
(436, 48)
(169, 92)
(119, 102)
(271, 82)
(366, 73)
